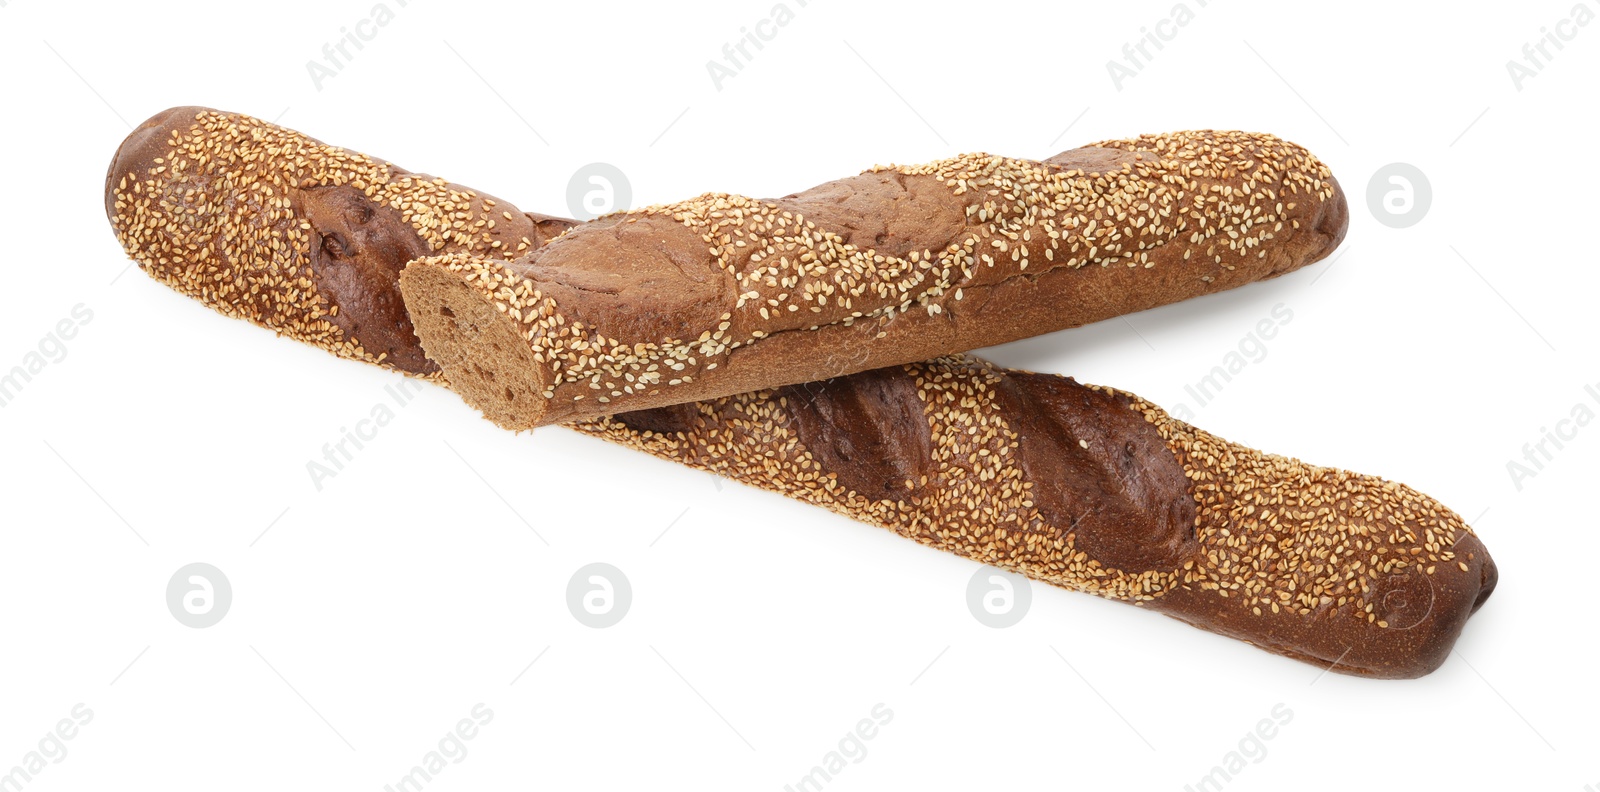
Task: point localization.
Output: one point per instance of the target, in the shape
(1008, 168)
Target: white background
(370, 616)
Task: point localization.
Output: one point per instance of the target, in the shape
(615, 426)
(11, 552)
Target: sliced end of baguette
(467, 313)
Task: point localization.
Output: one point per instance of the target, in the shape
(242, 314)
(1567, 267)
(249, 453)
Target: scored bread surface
(1048, 477)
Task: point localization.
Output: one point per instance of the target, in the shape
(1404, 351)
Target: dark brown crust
(356, 257)
(641, 278)
(867, 430)
(1100, 472)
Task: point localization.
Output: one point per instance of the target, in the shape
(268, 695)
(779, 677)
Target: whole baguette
(1083, 487)
(1096, 490)
(722, 294)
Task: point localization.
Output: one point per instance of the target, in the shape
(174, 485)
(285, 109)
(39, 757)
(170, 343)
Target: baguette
(1096, 490)
(722, 294)
(265, 224)
(1082, 487)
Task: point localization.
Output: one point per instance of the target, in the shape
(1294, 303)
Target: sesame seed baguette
(723, 294)
(1097, 490)
(268, 225)
(1079, 486)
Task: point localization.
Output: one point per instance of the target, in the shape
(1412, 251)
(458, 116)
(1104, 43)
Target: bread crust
(269, 225)
(1082, 487)
(722, 294)
(1097, 490)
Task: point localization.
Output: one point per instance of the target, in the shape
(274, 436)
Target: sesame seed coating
(717, 294)
(221, 207)
(1311, 562)
(1083, 487)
